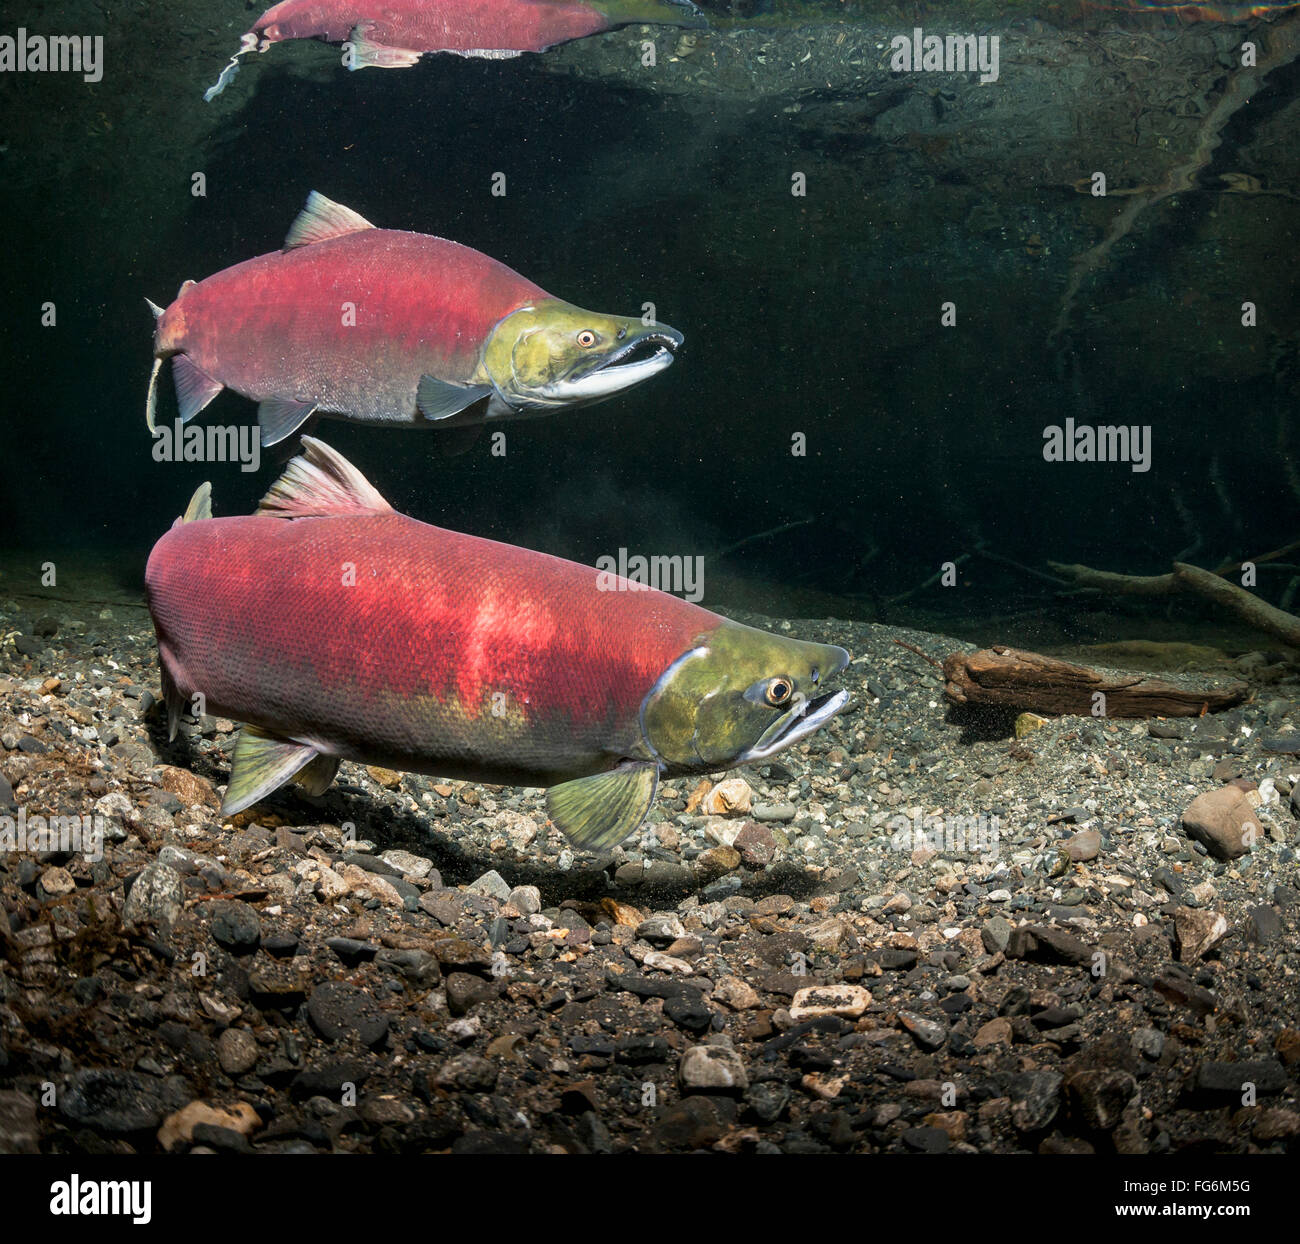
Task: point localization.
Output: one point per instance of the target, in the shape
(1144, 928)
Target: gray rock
(338, 1010)
(662, 928)
(18, 1129)
(1263, 925)
(157, 897)
(777, 812)
(236, 1051)
(113, 1100)
(1035, 1099)
(467, 1073)
(526, 899)
(995, 934)
(234, 925)
(492, 884)
(712, 1069)
(1149, 1042)
(929, 1034)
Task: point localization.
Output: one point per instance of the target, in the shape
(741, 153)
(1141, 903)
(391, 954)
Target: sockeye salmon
(383, 326)
(336, 629)
(393, 34)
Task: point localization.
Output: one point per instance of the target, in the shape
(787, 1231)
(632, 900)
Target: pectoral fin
(262, 763)
(440, 399)
(315, 777)
(600, 811)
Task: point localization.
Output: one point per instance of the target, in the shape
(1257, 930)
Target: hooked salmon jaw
(804, 718)
(629, 365)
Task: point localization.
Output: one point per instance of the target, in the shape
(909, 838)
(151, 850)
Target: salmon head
(552, 354)
(740, 696)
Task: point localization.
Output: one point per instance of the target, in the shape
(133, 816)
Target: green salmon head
(554, 354)
(740, 695)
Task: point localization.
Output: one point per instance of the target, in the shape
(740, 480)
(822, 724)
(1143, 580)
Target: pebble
(1198, 932)
(712, 1068)
(929, 1034)
(731, 795)
(236, 1051)
(156, 897)
(234, 925)
(811, 1001)
(117, 1101)
(57, 881)
(338, 1010)
(778, 812)
(1083, 846)
(1035, 1099)
(1223, 822)
(406, 863)
(492, 884)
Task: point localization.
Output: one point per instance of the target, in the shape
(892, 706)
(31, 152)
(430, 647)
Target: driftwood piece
(1014, 679)
(1258, 613)
(1208, 584)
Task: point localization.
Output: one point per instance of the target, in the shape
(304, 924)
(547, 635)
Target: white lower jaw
(799, 729)
(607, 380)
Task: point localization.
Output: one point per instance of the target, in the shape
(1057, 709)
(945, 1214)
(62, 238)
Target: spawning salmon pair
(336, 629)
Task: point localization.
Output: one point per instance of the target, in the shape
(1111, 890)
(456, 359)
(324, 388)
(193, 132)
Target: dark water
(815, 315)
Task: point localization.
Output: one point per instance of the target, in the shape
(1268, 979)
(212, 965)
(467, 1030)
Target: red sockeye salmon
(393, 34)
(384, 326)
(336, 629)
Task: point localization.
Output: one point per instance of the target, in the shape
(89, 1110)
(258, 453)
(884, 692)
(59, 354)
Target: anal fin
(262, 763)
(367, 54)
(281, 417)
(600, 811)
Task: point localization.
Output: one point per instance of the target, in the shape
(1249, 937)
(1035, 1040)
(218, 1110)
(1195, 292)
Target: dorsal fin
(321, 220)
(319, 482)
(200, 506)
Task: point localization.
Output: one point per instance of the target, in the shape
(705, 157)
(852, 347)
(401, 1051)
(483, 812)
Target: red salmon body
(350, 323)
(378, 637)
(463, 26)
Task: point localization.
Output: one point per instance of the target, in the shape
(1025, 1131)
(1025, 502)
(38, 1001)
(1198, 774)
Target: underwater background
(817, 314)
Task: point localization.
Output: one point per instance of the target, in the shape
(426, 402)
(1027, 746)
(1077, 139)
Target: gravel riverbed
(917, 932)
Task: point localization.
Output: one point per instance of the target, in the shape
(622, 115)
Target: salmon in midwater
(384, 326)
(393, 34)
(336, 629)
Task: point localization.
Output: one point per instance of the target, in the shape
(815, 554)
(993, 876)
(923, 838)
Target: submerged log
(1014, 679)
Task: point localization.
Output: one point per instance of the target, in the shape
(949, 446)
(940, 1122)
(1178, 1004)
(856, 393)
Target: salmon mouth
(631, 364)
(803, 718)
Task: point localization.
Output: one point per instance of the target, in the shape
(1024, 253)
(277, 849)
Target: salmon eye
(778, 691)
(586, 339)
